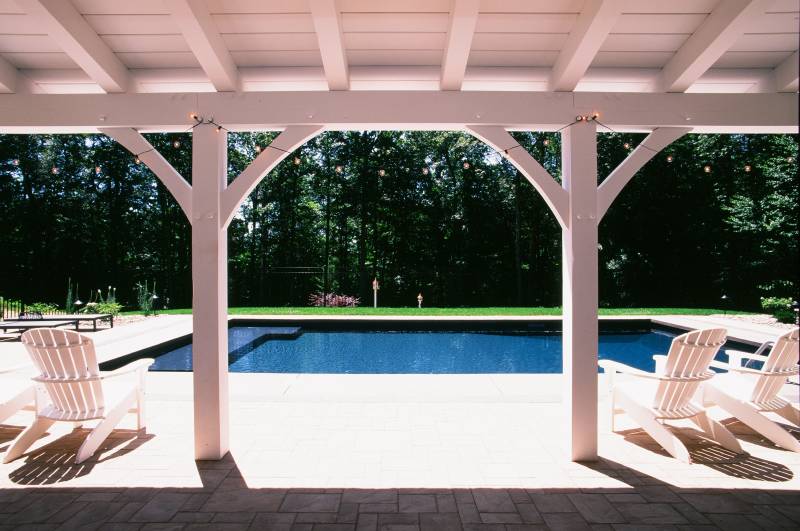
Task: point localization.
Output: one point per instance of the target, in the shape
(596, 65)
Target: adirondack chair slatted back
(688, 360)
(68, 369)
(781, 363)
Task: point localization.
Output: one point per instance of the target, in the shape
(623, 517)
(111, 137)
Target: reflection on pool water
(254, 349)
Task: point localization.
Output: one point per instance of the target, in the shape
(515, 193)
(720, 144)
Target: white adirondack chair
(748, 393)
(668, 394)
(16, 392)
(76, 391)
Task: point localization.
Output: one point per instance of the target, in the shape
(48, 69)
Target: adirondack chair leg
(717, 432)
(752, 417)
(662, 435)
(25, 439)
(104, 429)
(790, 413)
(28, 396)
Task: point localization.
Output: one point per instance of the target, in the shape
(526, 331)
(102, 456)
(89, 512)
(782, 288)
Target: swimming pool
(261, 349)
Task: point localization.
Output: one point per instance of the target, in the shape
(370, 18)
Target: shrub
(41, 307)
(334, 300)
(145, 297)
(779, 307)
(102, 307)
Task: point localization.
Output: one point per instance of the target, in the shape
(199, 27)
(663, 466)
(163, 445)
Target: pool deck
(392, 452)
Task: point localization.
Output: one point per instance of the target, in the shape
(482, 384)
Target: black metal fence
(10, 309)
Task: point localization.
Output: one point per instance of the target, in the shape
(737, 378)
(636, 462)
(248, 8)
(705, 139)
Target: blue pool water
(368, 352)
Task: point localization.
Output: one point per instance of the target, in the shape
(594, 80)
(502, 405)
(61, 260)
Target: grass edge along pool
(416, 347)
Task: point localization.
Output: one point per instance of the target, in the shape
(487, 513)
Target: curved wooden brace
(554, 195)
(610, 188)
(134, 142)
(290, 139)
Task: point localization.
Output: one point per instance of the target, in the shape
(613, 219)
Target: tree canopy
(433, 212)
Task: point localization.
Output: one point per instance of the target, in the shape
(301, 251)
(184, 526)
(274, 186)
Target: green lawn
(555, 311)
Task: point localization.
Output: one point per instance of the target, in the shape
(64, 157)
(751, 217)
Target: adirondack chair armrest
(611, 366)
(134, 366)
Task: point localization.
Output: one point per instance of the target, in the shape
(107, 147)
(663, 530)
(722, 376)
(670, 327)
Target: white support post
(209, 292)
(579, 269)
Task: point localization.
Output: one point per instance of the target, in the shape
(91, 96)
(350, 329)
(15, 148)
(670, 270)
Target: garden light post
(375, 288)
(419, 300)
(724, 300)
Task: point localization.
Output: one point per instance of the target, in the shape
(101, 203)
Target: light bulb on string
(193, 116)
(626, 145)
(339, 169)
(15, 162)
(176, 144)
(748, 168)
(670, 158)
(258, 148)
(297, 161)
(137, 160)
(425, 171)
(466, 165)
(381, 172)
(97, 170)
(707, 168)
(546, 141)
(789, 159)
(54, 170)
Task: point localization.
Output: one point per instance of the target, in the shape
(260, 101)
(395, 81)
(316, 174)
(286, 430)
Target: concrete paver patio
(349, 452)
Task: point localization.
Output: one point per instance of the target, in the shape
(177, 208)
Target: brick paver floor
(337, 466)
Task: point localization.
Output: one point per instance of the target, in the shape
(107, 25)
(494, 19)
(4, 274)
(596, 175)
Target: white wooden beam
(194, 20)
(584, 41)
(398, 110)
(280, 148)
(328, 26)
(786, 77)
(580, 289)
(502, 142)
(62, 22)
(713, 38)
(163, 170)
(463, 18)
(9, 77)
(622, 174)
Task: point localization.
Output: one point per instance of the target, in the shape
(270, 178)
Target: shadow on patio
(225, 501)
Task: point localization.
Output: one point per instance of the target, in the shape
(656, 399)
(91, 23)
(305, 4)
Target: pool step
(281, 332)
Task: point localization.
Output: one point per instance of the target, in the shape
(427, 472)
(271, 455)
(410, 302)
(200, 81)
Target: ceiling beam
(714, 37)
(463, 19)
(328, 25)
(62, 22)
(194, 21)
(399, 110)
(8, 76)
(584, 41)
(786, 78)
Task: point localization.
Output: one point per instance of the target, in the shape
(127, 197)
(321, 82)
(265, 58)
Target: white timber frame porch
(578, 203)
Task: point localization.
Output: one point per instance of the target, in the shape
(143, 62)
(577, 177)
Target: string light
(789, 159)
(707, 168)
(466, 165)
(15, 162)
(297, 161)
(176, 144)
(219, 128)
(670, 158)
(258, 148)
(546, 141)
(97, 170)
(595, 115)
(580, 118)
(137, 160)
(747, 168)
(339, 169)
(54, 170)
(425, 171)
(381, 172)
(626, 145)
(193, 116)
